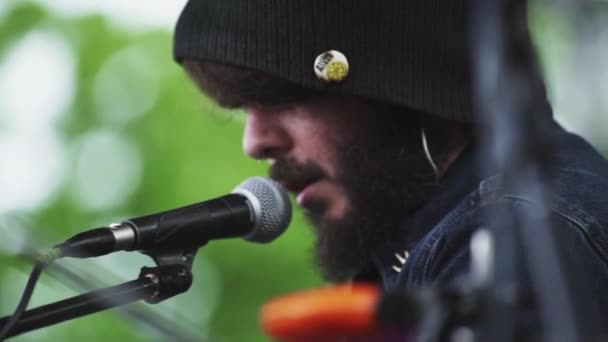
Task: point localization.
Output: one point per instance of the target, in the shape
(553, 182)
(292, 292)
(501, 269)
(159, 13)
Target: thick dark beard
(386, 176)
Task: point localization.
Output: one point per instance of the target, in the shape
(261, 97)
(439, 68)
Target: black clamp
(172, 276)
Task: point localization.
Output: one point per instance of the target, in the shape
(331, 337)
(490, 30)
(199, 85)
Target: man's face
(356, 169)
(301, 143)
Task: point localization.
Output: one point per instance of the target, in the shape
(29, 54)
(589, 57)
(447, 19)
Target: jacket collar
(462, 178)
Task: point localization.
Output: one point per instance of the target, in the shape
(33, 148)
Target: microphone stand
(171, 277)
(81, 280)
(511, 105)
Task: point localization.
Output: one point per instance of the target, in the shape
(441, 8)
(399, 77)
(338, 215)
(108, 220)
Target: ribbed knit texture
(413, 53)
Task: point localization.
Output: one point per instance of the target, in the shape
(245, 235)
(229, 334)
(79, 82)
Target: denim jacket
(434, 246)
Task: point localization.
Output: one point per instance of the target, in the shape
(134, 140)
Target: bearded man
(364, 111)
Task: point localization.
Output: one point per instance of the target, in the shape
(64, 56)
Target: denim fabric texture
(437, 237)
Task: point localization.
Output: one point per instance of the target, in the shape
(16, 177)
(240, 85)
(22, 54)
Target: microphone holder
(172, 276)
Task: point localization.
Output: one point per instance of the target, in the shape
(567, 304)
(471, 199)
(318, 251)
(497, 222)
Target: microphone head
(270, 206)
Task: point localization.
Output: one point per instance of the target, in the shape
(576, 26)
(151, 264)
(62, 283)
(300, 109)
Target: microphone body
(224, 217)
(258, 210)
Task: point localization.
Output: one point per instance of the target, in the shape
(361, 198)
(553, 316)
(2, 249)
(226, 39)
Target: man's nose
(265, 136)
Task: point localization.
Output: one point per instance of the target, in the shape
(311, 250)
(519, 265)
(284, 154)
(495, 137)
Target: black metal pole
(82, 305)
(177, 331)
(512, 105)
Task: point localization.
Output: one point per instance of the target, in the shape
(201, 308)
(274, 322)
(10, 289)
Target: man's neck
(452, 156)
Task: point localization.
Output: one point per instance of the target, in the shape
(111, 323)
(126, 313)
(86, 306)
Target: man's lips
(296, 186)
(307, 194)
(295, 177)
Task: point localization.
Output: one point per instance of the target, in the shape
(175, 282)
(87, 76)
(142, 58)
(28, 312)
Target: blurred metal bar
(511, 101)
(176, 329)
(179, 328)
(82, 305)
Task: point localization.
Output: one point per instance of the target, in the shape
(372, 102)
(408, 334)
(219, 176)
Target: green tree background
(189, 150)
(185, 149)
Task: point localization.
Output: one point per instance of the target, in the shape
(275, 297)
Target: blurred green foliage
(190, 150)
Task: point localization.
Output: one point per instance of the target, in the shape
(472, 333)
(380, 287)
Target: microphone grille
(271, 207)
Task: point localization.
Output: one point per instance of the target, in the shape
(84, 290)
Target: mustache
(295, 175)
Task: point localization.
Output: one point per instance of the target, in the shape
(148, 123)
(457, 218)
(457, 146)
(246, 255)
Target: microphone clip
(173, 274)
(170, 280)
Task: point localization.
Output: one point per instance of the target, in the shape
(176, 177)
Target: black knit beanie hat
(413, 53)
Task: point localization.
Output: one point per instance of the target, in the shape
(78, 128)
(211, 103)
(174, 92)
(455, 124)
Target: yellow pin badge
(331, 66)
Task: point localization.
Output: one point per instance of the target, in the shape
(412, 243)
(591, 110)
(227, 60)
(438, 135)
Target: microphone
(257, 210)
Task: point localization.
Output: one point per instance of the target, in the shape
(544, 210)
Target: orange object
(325, 314)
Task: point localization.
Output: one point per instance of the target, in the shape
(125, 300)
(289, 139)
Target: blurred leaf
(19, 20)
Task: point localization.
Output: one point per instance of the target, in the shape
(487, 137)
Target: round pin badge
(331, 67)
